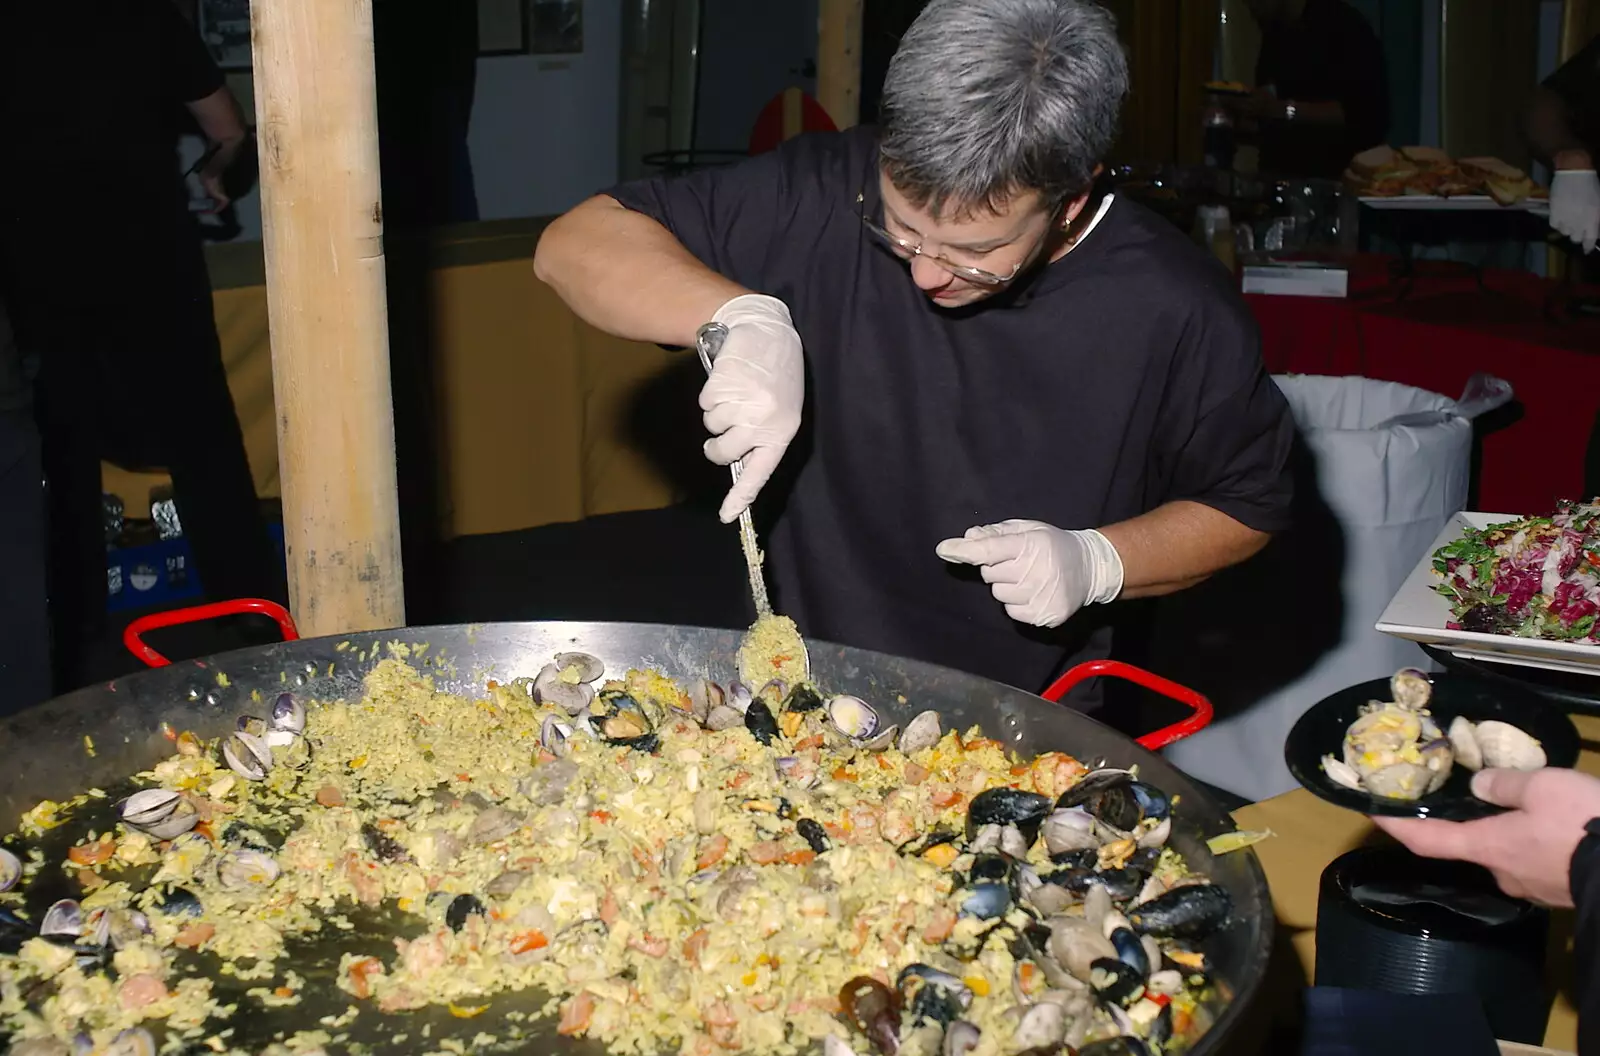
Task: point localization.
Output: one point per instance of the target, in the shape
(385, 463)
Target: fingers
(1429, 838)
(759, 465)
(983, 551)
(731, 446)
(1503, 788)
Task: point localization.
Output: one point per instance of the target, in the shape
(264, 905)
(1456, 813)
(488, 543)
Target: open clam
(287, 714)
(247, 755)
(921, 732)
(10, 870)
(1411, 688)
(1504, 745)
(553, 686)
(63, 919)
(148, 806)
(246, 870)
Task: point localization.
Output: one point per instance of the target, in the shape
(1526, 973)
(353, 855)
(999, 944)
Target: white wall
(544, 127)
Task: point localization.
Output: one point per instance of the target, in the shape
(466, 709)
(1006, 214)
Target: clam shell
(134, 1042)
(1381, 734)
(705, 696)
(175, 824)
(254, 725)
(723, 717)
(1075, 944)
(550, 688)
(921, 732)
(1411, 688)
(1342, 773)
(246, 870)
(554, 734)
(10, 870)
(881, 742)
(853, 717)
(147, 806)
(1069, 830)
(288, 714)
(1464, 742)
(63, 918)
(587, 668)
(1507, 747)
(247, 755)
(739, 697)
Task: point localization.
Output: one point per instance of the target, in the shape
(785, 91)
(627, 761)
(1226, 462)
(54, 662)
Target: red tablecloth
(1437, 334)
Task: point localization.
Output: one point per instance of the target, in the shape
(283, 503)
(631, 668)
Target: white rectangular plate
(1420, 613)
(1456, 204)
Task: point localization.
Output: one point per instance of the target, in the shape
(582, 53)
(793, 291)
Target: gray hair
(987, 99)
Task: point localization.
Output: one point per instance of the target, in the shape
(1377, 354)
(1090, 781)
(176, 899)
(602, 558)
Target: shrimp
(576, 1014)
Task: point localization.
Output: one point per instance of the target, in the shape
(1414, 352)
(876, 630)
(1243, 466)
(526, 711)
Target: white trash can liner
(1379, 469)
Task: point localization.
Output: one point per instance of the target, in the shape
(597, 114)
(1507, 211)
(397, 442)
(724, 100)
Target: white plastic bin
(1379, 470)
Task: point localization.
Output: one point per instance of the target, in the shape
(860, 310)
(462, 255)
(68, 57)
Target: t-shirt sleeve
(1577, 82)
(190, 72)
(735, 218)
(1231, 450)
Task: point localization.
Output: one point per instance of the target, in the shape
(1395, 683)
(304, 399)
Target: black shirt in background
(1577, 82)
(91, 104)
(1330, 54)
(1123, 376)
(1585, 882)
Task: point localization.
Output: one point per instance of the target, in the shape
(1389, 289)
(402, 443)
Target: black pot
(1389, 920)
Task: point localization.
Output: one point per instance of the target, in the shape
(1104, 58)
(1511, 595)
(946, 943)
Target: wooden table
(1309, 834)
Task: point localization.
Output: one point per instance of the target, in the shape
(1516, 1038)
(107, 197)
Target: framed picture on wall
(502, 27)
(555, 27)
(225, 27)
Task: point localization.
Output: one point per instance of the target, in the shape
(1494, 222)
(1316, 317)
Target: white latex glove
(752, 398)
(1575, 205)
(1041, 574)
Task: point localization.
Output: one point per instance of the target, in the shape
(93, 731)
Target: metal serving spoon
(708, 342)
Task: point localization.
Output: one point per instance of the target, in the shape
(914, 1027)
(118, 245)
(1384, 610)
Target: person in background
(1022, 399)
(106, 278)
(24, 620)
(1563, 128)
(1545, 848)
(1322, 91)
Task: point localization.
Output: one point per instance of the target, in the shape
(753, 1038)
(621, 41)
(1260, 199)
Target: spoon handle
(708, 342)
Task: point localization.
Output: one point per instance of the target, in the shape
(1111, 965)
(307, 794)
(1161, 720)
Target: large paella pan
(446, 840)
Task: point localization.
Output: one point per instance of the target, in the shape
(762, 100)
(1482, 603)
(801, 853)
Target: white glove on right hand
(753, 397)
(1575, 205)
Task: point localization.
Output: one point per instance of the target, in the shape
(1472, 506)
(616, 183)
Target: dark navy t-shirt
(1125, 375)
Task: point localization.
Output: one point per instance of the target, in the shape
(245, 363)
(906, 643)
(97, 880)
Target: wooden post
(322, 226)
(839, 60)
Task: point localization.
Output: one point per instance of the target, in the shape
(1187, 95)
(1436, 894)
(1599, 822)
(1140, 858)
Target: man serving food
(977, 401)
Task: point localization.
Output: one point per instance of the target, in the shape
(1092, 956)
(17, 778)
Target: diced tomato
(712, 851)
(800, 857)
(576, 1014)
(694, 946)
(529, 941)
(361, 972)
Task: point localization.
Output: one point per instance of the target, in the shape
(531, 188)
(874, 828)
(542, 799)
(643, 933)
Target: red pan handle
(175, 617)
(1139, 676)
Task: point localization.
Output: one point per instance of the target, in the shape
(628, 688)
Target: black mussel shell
(986, 901)
(1189, 912)
(936, 996)
(814, 834)
(180, 902)
(382, 845)
(1161, 1027)
(1131, 952)
(989, 867)
(1008, 806)
(1117, 806)
(1127, 1045)
(759, 720)
(462, 907)
(1115, 981)
(1144, 860)
(874, 1010)
(933, 839)
(1153, 803)
(648, 744)
(1090, 785)
(91, 958)
(1120, 884)
(1086, 858)
(802, 698)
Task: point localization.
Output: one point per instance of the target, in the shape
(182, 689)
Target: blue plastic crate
(159, 574)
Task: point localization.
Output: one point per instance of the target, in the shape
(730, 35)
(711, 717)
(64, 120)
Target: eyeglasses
(914, 249)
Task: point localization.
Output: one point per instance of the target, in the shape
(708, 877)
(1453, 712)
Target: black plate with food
(1421, 742)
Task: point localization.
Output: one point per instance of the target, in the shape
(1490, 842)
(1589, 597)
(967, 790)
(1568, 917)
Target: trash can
(1378, 468)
